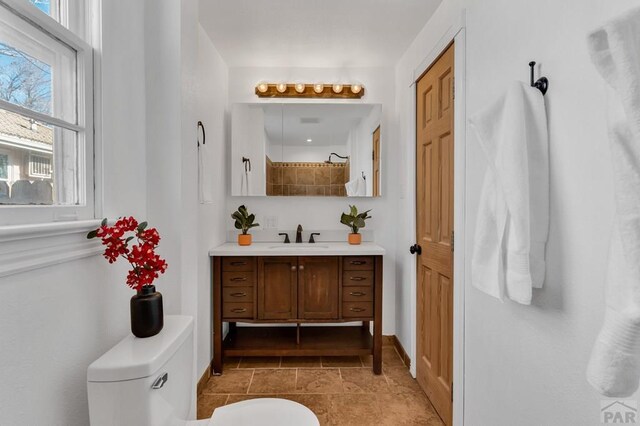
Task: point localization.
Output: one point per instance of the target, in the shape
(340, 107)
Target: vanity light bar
(317, 90)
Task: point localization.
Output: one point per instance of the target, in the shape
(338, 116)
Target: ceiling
(324, 124)
(314, 33)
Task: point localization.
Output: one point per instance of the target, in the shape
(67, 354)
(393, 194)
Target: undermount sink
(298, 246)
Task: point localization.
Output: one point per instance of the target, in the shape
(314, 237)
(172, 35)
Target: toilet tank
(145, 382)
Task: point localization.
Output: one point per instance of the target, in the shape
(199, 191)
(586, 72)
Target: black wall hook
(542, 83)
(204, 136)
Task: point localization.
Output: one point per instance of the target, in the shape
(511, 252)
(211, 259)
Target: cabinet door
(318, 286)
(277, 288)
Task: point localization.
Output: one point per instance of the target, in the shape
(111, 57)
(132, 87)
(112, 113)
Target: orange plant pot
(244, 239)
(355, 239)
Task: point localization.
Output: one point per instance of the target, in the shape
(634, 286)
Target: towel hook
(363, 176)
(204, 136)
(542, 83)
(246, 162)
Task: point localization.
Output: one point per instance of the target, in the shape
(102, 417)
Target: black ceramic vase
(147, 318)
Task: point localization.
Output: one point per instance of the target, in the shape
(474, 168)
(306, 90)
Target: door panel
(277, 288)
(318, 286)
(434, 218)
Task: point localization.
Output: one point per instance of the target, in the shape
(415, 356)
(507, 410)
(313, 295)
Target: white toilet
(148, 382)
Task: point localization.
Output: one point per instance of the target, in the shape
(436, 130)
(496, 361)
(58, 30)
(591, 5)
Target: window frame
(87, 209)
(59, 236)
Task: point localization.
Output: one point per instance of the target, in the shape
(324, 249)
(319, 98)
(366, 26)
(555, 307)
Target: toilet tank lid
(135, 358)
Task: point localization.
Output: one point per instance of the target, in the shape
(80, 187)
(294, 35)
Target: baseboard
(401, 352)
(203, 380)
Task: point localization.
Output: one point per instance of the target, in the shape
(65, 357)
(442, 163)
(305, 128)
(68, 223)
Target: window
(39, 166)
(46, 115)
(4, 167)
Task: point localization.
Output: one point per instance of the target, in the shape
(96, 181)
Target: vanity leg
(216, 365)
(377, 317)
(366, 325)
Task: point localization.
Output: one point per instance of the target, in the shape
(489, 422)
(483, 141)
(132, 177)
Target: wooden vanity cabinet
(297, 291)
(318, 287)
(277, 288)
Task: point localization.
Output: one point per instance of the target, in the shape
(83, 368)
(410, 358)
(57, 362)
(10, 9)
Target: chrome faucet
(299, 234)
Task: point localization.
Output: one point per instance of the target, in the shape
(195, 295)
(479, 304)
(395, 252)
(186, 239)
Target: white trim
(28, 247)
(45, 230)
(455, 33)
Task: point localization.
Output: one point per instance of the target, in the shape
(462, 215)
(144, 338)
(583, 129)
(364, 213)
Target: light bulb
(300, 87)
(337, 88)
(263, 87)
(356, 88)
(318, 88)
(281, 87)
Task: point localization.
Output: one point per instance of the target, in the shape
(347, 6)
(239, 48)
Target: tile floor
(342, 391)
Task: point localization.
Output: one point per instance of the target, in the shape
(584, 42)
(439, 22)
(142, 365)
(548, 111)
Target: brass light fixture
(315, 90)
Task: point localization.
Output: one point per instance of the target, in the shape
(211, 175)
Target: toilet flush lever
(160, 381)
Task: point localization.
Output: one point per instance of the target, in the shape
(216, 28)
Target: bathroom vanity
(294, 300)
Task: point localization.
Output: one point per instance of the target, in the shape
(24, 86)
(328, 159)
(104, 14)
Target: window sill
(27, 247)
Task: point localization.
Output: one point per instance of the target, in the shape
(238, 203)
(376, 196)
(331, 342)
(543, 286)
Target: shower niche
(306, 149)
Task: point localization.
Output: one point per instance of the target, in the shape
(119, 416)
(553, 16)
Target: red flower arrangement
(145, 263)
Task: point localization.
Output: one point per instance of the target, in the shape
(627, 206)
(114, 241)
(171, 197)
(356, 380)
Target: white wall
(164, 153)
(55, 321)
(526, 365)
(249, 141)
(361, 141)
(324, 213)
(212, 110)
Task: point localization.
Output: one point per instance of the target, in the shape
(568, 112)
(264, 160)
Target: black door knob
(415, 249)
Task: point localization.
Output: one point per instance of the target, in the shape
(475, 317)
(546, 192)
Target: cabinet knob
(239, 279)
(301, 267)
(357, 278)
(358, 262)
(357, 293)
(241, 294)
(293, 268)
(357, 309)
(239, 310)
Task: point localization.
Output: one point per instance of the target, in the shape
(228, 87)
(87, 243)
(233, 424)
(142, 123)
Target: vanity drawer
(237, 294)
(235, 279)
(357, 294)
(244, 263)
(357, 310)
(357, 263)
(357, 278)
(237, 310)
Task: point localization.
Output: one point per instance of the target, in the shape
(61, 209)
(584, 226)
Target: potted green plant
(355, 221)
(244, 222)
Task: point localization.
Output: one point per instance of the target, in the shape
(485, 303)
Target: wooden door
(277, 288)
(434, 199)
(318, 286)
(376, 162)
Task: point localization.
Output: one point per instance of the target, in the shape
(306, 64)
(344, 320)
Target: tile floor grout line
(250, 381)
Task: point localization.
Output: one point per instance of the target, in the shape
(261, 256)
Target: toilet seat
(264, 412)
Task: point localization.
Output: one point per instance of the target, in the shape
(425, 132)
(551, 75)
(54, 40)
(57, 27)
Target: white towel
(513, 218)
(205, 189)
(614, 367)
(356, 187)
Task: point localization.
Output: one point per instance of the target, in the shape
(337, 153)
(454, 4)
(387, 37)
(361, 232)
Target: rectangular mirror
(306, 149)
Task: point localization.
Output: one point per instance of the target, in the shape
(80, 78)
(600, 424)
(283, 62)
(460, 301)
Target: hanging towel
(513, 218)
(356, 187)
(205, 193)
(614, 367)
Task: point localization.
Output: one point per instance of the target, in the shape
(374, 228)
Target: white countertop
(298, 249)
